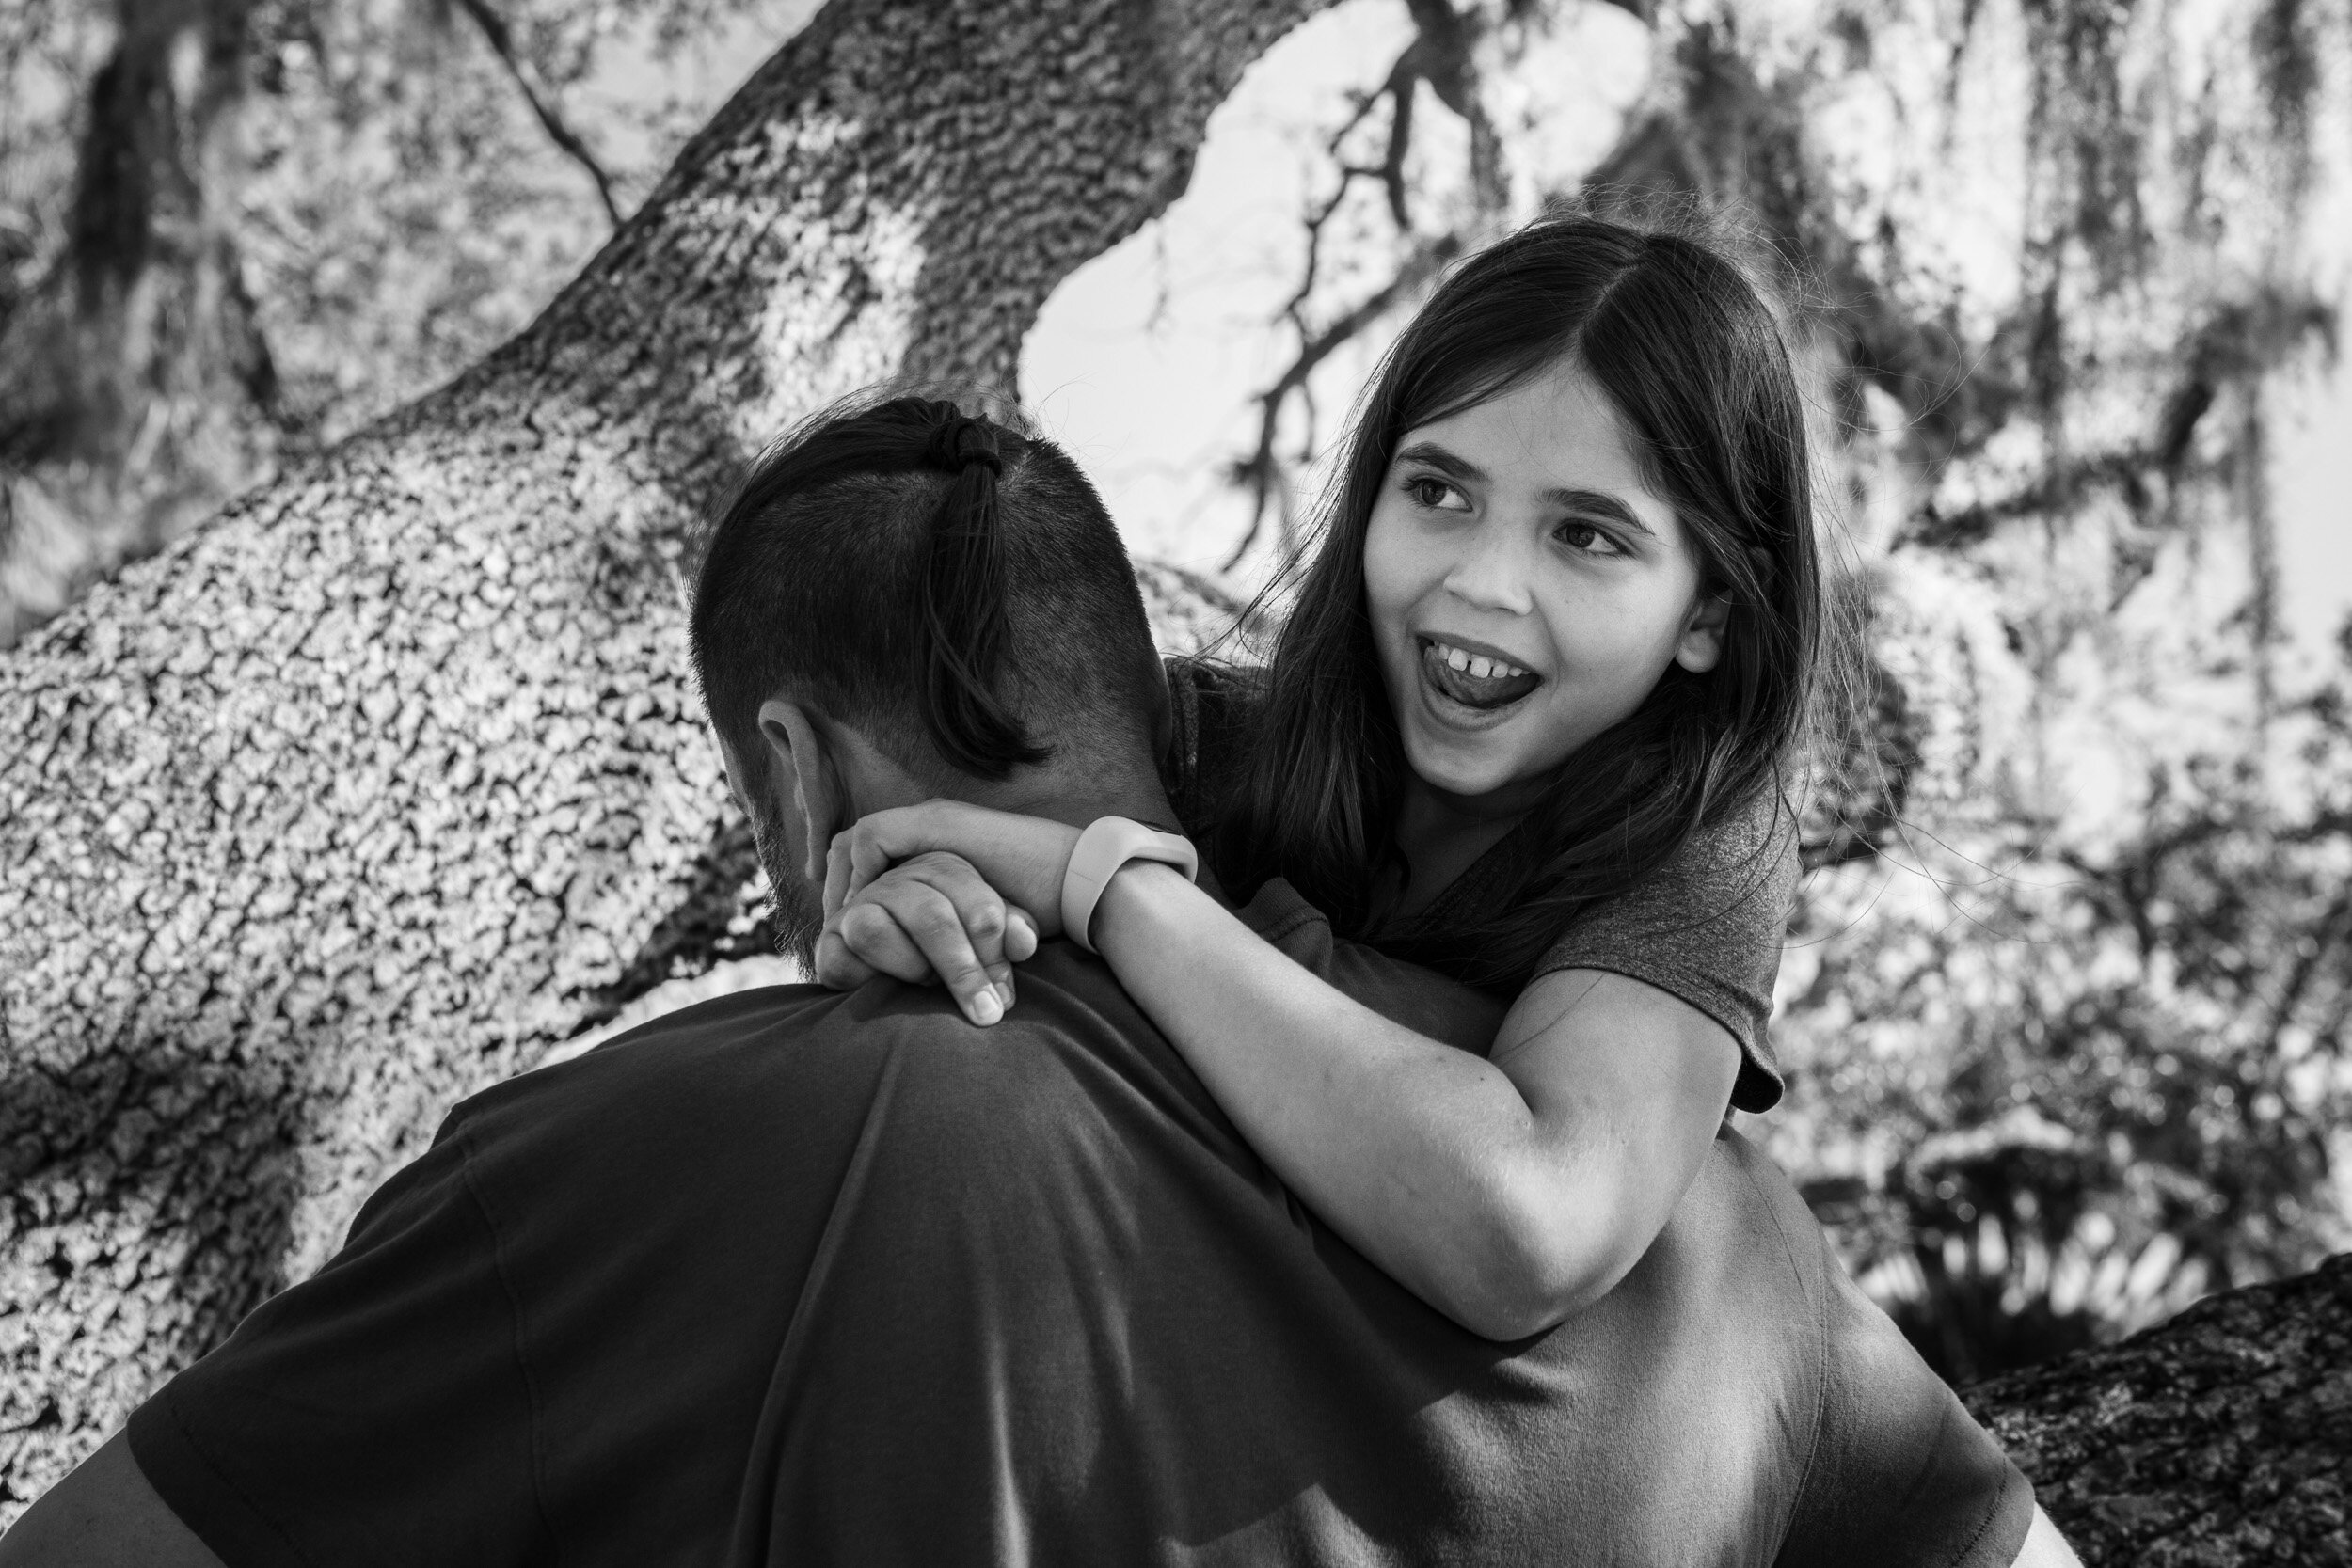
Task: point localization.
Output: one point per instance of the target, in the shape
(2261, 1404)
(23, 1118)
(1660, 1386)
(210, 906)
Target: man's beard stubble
(796, 910)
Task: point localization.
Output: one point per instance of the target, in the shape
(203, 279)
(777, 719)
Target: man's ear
(1701, 646)
(798, 750)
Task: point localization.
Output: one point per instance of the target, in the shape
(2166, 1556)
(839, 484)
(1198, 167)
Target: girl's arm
(1506, 1191)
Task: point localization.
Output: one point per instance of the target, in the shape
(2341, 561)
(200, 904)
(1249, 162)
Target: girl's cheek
(1381, 588)
(1398, 565)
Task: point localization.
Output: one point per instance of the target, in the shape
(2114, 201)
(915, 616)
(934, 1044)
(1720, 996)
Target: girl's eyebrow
(1455, 466)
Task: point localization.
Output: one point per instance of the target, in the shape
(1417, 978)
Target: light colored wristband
(1107, 844)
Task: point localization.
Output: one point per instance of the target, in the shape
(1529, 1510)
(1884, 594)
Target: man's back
(803, 1277)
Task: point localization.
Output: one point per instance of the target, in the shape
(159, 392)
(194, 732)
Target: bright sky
(1145, 362)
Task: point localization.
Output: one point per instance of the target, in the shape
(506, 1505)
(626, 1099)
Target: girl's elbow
(1508, 1320)
(1535, 1279)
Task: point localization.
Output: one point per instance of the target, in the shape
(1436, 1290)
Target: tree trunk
(138, 390)
(390, 777)
(372, 789)
(2223, 1437)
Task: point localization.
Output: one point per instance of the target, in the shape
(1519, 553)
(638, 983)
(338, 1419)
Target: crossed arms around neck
(1508, 1189)
(1271, 1366)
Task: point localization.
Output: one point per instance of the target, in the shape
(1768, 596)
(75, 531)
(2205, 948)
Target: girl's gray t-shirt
(1706, 927)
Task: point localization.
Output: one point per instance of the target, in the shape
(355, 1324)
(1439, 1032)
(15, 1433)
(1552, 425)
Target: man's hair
(950, 585)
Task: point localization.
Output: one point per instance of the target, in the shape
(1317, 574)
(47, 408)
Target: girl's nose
(1493, 571)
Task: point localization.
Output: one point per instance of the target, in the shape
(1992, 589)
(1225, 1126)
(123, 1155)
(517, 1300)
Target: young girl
(1528, 723)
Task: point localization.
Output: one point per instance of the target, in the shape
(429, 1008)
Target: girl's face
(1527, 588)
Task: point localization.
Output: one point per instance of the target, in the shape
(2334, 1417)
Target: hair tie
(960, 442)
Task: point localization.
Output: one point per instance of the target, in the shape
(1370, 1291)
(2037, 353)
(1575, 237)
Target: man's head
(902, 602)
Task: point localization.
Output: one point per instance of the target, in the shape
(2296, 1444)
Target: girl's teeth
(1476, 666)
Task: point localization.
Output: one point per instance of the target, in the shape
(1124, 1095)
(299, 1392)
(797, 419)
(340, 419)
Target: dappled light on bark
(387, 780)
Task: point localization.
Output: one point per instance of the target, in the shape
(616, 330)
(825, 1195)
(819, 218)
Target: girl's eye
(1433, 493)
(1585, 539)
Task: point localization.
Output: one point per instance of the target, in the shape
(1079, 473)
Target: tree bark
(390, 777)
(373, 788)
(138, 392)
(2221, 1439)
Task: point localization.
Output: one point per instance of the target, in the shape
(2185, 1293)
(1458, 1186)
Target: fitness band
(1107, 844)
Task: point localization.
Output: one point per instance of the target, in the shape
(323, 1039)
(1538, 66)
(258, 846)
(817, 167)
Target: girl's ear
(1701, 646)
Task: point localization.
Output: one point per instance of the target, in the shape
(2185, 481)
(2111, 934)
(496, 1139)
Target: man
(798, 1276)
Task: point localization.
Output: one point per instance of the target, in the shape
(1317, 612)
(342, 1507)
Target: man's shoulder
(1743, 1229)
(677, 1069)
(1774, 1211)
(775, 1052)
(1881, 1462)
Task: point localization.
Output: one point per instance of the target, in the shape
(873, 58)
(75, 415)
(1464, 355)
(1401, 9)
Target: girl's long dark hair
(1691, 358)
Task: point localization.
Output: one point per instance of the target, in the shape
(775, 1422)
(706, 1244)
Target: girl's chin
(1452, 766)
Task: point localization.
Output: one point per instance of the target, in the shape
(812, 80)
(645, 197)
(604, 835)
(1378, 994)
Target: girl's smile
(1526, 586)
(1465, 672)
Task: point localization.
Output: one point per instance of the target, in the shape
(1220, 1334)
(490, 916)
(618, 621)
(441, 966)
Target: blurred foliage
(2051, 1086)
(234, 230)
(2065, 1006)
(2066, 998)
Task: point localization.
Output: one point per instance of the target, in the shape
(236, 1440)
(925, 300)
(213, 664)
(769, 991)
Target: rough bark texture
(389, 779)
(138, 392)
(2222, 1437)
(373, 788)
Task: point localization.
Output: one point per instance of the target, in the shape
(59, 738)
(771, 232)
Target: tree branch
(541, 100)
(1442, 55)
(1261, 469)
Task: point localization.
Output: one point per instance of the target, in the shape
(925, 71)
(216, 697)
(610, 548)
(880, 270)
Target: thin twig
(1261, 469)
(542, 103)
(1441, 55)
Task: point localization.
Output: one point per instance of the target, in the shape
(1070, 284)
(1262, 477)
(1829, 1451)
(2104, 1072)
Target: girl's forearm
(1427, 1158)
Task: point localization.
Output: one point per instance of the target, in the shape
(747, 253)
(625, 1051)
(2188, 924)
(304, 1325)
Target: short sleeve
(1901, 1473)
(1706, 927)
(1215, 708)
(378, 1412)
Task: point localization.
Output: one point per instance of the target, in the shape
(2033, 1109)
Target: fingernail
(1004, 993)
(986, 1010)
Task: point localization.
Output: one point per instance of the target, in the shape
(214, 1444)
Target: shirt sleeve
(1706, 927)
(1215, 708)
(1901, 1473)
(378, 1412)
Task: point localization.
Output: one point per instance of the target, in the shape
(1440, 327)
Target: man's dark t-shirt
(810, 1277)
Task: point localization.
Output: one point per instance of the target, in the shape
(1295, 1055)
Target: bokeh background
(2066, 1004)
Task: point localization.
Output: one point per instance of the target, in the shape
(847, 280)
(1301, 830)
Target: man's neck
(1078, 802)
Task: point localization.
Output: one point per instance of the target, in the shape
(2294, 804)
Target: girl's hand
(1022, 858)
(930, 921)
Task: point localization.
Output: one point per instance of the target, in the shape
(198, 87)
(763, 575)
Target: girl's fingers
(1020, 935)
(839, 968)
(836, 876)
(932, 920)
(983, 912)
(881, 839)
(872, 934)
